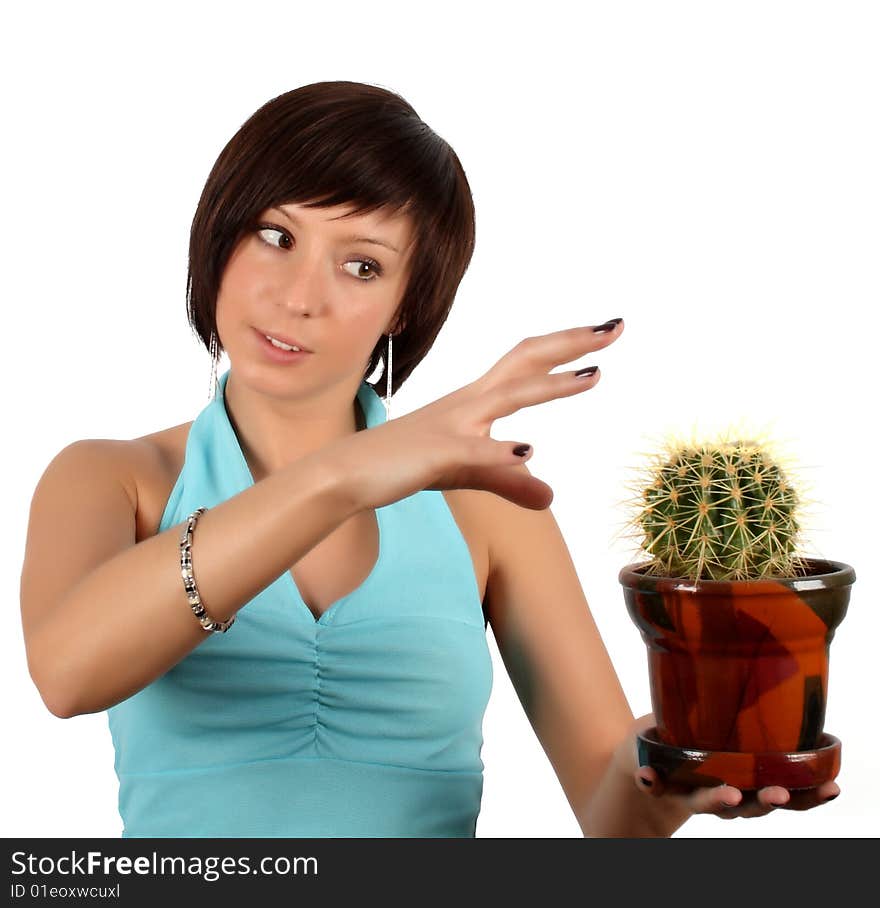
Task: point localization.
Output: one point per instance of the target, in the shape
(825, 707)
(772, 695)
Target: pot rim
(828, 575)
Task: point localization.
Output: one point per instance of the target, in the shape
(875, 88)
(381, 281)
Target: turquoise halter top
(364, 722)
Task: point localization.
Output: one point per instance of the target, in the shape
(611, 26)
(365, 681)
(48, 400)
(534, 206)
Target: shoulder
(164, 448)
(110, 458)
(505, 528)
(469, 507)
(524, 546)
(146, 467)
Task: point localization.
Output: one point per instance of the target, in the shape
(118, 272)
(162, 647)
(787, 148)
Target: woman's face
(332, 285)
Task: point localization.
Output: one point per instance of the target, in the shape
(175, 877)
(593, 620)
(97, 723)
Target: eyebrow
(352, 237)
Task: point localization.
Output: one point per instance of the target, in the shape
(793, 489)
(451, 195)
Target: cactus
(722, 509)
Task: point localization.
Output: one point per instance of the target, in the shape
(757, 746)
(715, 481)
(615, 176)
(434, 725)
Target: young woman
(282, 604)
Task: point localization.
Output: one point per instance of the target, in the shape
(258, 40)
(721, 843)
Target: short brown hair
(335, 143)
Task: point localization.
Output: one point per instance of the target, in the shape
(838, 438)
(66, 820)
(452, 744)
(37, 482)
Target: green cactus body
(719, 511)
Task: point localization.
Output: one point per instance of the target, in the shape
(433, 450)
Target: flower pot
(739, 675)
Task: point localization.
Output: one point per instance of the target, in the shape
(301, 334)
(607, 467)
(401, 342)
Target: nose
(304, 284)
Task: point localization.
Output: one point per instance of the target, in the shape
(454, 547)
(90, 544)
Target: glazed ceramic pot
(739, 675)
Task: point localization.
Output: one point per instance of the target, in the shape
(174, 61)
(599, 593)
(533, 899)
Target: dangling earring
(215, 356)
(387, 400)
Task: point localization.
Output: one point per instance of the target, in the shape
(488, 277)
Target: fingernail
(590, 370)
(522, 450)
(610, 325)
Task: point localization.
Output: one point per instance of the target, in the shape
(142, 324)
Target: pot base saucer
(797, 769)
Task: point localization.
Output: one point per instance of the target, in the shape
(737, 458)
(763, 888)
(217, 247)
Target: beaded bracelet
(189, 583)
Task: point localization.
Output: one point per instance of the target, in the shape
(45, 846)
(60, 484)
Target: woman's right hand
(446, 444)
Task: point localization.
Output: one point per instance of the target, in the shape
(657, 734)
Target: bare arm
(103, 617)
(551, 647)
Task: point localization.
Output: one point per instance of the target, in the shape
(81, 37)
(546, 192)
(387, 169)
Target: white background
(708, 171)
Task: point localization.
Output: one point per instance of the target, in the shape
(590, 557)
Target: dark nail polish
(608, 326)
(522, 450)
(590, 370)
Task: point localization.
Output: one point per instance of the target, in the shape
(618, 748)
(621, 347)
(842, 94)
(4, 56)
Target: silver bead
(189, 583)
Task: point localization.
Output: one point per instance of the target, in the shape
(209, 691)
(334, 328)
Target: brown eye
(264, 228)
(374, 267)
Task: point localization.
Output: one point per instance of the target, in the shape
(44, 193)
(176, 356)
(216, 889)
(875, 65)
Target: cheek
(238, 280)
(362, 313)
(243, 273)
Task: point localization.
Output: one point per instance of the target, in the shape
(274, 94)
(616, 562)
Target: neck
(273, 431)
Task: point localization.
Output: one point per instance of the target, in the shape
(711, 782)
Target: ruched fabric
(365, 722)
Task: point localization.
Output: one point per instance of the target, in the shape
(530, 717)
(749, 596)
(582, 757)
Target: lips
(290, 341)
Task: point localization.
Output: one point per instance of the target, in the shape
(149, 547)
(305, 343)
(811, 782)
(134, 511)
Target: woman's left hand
(726, 801)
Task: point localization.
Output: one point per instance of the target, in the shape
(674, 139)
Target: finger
(514, 394)
(510, 482)
(808, 798)
(758, 803)
(649, 781)
(544, 352)
(772, 796)
(732, 803)
(775, 797)
(722, 800)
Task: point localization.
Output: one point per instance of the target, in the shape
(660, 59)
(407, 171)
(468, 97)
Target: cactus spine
(718, 510)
